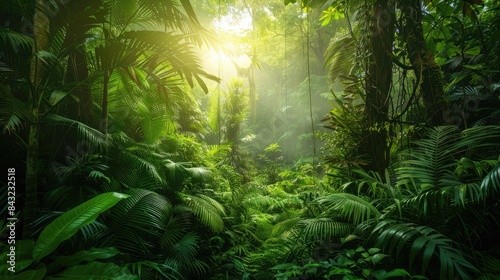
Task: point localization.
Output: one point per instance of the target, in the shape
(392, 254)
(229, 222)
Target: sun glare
(229, 27)
(237, 24)
(224, 65)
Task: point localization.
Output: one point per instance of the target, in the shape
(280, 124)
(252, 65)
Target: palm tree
(33, 93)
(131, 43)
(156, 38)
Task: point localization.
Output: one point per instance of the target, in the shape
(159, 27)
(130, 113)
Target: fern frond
(339, 57)
(175, 229)
(13, 112)
(480, 137)
(168, 272)
(206, 209)
(351, 207)
(138, 223)
(323, 229)
(185, 249)
(85, 132)
(285, 225)
(431, 160)
(424, 244)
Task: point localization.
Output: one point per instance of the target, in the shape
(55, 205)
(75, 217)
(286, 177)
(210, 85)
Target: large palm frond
(206, 209)
(176, 228)
(136, 164)
(424, 245)
(323, 229)
(183, 255)
(137, 224)
(353, 208)
(13, 112)
(490, 184)
(432, 160)
(430, 170)
(15, 52)
(339, 57)
(159, 47)
(91, 136)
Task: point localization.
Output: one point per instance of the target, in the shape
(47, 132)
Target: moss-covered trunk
(378, 83)
(427, 71)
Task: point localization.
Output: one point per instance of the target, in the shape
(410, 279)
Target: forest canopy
(238, 139)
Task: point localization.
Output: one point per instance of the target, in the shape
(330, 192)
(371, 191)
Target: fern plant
(412, 214)
(441, 188)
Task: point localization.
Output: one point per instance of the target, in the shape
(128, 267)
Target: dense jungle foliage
(250, 139)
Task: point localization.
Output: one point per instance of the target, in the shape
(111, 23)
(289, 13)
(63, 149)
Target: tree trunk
(88, 14)
(77, 72)
(252, 94)
(378, 82)
(105, 92)
(427, 72)
(31, 199)
(40, 29)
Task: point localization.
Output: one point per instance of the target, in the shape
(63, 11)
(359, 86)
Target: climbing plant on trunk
(378, 81)
(427, 71)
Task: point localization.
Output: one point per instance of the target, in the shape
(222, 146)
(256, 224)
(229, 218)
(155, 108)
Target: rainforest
(250, 139)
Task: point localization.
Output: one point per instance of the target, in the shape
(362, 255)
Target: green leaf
(380, 274)
(350, 237)
(91, 254)
(398, 272)
(285, 266)
(349, 253)
(366, 272)
(70, 222)
(206, 209)
(360, 249)
(491, 182)
(351, 207)
(96, 270)
(474, 50)
(57, 95)
(474, 66)
(373, 250)
(377, 258)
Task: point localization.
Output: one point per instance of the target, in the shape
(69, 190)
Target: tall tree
(377, 22)
(378, 81)
(40, 30)
(427, 71)
(380, 52)
(58, 68)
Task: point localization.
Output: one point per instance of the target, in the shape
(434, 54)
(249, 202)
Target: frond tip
(491, 182)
